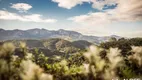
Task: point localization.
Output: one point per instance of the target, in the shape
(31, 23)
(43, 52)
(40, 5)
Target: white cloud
(21, 7)
(126, 10)
(99, 4)
(92, 18)
(5, 15)
(98, 22)
(69, 3)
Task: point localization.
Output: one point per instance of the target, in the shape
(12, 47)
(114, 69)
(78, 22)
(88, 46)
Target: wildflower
(93, 53)
(100, 65)
(97, 64)
(115, 60)
(86, 67)
(114, 57)
(110, 74)
(46, 77)
(137, 49)
(22, 44)
(7, 49)
(29, 55)
(137, 55)
(32, 71)
(14, 57)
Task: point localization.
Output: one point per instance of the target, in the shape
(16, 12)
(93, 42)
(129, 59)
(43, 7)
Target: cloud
(99, 4)
(69, 3)
(5, 15)
(126, 10)
(21, 7)
(92, 18)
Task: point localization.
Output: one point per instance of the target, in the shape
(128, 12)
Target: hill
(52, 46)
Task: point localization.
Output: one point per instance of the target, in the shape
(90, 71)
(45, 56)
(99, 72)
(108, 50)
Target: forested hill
(53, 46)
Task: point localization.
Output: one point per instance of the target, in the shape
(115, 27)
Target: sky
(89, 17)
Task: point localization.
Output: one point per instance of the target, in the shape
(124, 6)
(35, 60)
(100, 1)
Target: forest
(112, 60)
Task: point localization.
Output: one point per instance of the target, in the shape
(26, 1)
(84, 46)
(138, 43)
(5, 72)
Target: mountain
(46, 34)
(53, 44)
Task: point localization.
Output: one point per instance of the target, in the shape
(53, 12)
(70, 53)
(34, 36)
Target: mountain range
(47, 34)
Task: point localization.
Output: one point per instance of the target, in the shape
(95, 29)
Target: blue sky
(91, 17)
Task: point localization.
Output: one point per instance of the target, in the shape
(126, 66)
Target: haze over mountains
(46, 34)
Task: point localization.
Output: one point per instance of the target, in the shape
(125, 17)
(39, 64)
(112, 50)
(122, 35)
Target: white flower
(137, 49)
(46, 77)
(14, 57)
(86, 67)
(33, 71)
(137, 55)
(114, 57)
(93, 53)
(7, 49)
(22, 44)
(29, 55)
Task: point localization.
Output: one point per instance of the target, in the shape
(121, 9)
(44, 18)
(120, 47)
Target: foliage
(104, 62)
(123, 44)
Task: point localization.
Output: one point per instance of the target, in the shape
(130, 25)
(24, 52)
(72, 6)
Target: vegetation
(117, 59)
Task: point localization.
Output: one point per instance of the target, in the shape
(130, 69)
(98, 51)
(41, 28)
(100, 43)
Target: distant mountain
(46, 34)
